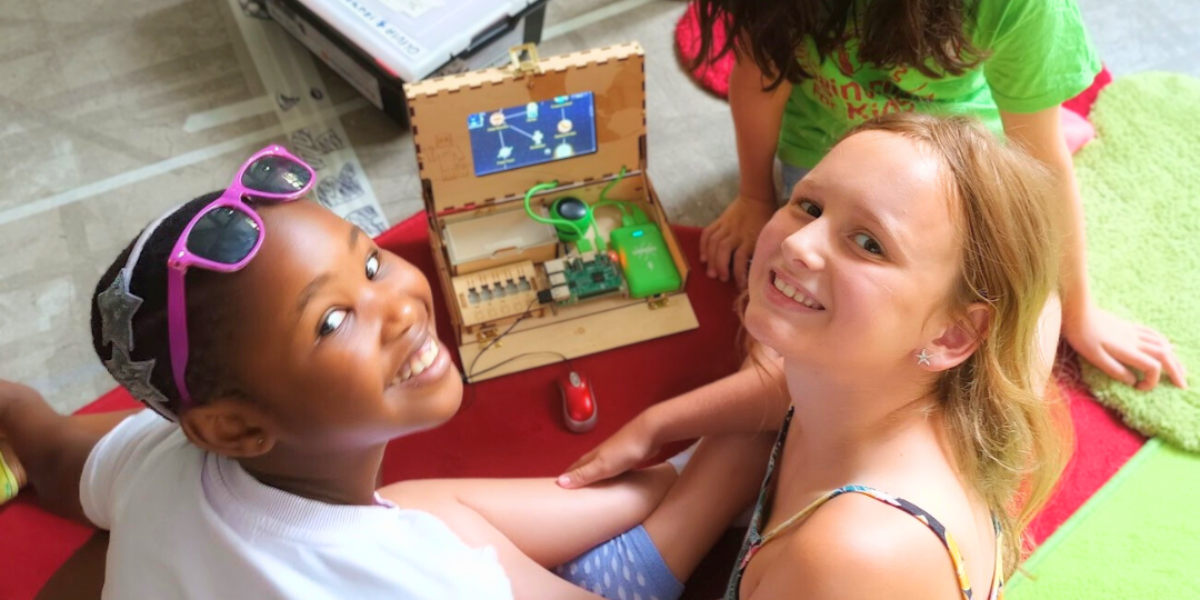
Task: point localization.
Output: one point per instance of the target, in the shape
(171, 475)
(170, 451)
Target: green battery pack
(646, 261)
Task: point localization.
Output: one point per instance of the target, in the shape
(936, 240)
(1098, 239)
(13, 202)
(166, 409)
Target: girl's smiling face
(337, 341)
(856, 268)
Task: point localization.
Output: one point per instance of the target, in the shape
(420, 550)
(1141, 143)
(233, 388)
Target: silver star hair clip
(117, 306)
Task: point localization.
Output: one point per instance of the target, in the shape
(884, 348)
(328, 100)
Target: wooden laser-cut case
(439, 110)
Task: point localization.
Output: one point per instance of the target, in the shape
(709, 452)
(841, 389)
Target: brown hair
(927, 35)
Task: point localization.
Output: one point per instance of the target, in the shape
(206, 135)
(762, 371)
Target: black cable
(468, 401)
(562, 357)
(528, 312)
(471, 369)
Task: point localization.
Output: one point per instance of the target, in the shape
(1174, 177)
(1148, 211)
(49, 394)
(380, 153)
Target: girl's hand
(1113, 345)
(629, 447)
(729, 241)
(52, 448)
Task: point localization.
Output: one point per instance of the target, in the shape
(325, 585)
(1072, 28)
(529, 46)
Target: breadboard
(495, 294)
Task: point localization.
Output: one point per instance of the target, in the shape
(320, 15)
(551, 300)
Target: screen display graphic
(539, 132)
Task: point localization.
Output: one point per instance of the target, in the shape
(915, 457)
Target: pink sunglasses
(226, 235)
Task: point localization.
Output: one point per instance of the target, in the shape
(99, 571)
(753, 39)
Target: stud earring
(260, 441)
(923, 357)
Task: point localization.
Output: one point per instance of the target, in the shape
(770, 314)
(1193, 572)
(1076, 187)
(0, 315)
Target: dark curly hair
(210, 329)
(927, 35)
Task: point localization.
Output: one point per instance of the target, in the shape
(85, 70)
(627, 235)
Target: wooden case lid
(439, 109)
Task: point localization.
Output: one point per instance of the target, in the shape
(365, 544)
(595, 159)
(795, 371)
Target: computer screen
(534, 133)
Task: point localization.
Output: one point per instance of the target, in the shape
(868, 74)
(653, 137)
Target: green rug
(1140, 181)
(1138, 538)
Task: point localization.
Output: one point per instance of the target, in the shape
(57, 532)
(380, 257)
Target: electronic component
(554, 266)
(518, 136)
(579, 403)
(558, 279)
(591, 275)
(560, 293)
(571, 231)
(573, 218)
(575, 215)
(647, 264)
(495, 293)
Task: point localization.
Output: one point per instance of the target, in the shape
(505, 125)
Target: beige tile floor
(95, 95)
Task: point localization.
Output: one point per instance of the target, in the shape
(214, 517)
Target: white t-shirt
(189, 524)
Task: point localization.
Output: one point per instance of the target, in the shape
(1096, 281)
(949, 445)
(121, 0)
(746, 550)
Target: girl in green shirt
(808, 71)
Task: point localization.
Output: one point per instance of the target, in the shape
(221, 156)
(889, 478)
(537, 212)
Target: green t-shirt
(1040, 56)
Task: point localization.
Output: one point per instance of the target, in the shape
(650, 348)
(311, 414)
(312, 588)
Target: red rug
(1103, 444)
(511, 426)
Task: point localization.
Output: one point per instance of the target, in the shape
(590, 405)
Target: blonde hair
(1008, 436)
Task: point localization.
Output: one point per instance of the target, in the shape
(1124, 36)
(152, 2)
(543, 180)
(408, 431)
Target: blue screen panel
(534, 133)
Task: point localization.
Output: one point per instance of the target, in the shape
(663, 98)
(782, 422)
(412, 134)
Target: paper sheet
(302, 104)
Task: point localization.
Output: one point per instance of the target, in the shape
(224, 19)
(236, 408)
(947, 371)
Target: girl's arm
(757, 115)
(753, 399)
(1105, 340)
(51, 448)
